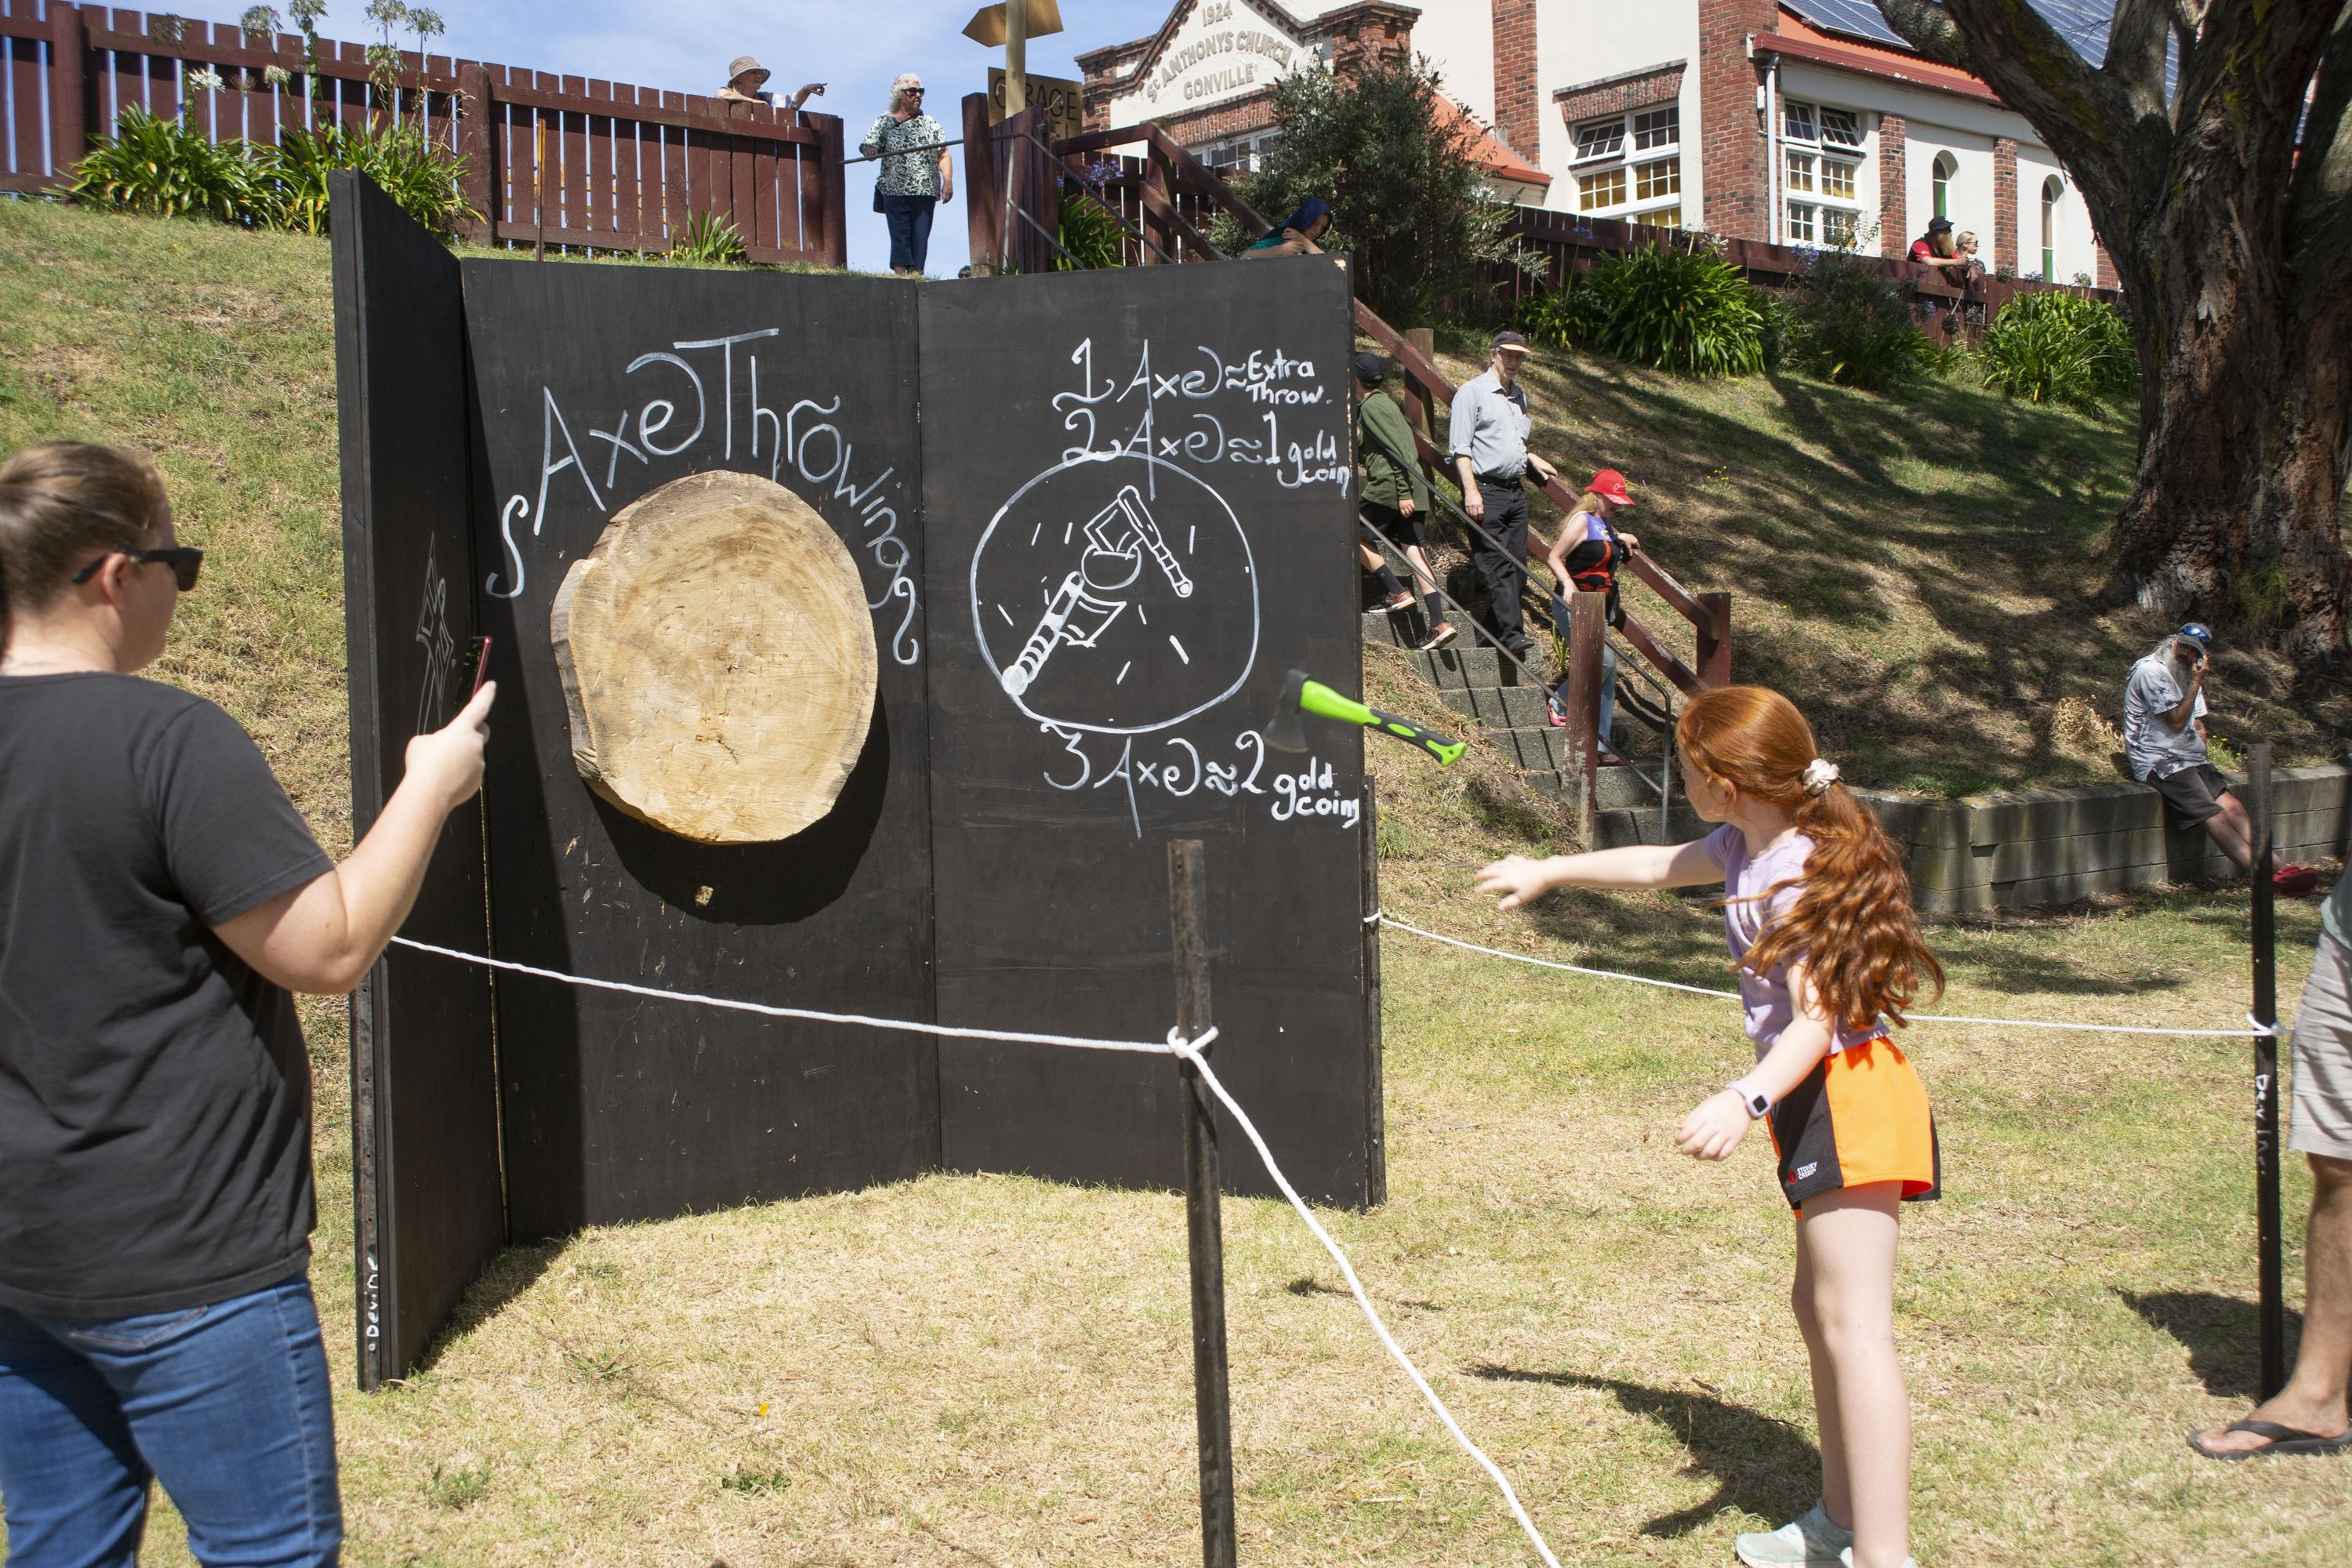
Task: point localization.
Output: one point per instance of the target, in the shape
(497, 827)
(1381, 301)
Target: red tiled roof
(1486, 150)
(1797, 40)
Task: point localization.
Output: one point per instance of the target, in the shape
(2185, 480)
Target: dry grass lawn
(984, 1371)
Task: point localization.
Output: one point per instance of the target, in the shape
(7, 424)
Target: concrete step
(1620, 788)
(1463, 667)
(1498, 707)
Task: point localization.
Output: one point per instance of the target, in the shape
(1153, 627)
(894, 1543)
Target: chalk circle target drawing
(718, 661)
(1116, 594)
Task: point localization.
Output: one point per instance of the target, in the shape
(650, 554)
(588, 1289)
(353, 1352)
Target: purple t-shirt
(1764, 999)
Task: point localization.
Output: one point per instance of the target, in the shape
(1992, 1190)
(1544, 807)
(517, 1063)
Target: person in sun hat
(1395, 498)
(747, 80)
(1486, 436)
(2164, 743)
(1585, 557)
(2309, 1415)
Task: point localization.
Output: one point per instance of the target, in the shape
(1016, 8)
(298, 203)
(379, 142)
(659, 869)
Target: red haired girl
(1817, 909)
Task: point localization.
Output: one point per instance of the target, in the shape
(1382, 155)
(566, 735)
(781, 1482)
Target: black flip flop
(2283, 1440)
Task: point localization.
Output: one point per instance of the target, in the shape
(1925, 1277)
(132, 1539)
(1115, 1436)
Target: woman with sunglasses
(917, 174)
(162, 900)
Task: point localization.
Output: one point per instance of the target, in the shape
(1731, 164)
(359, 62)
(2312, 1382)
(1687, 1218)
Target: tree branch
(2136, 41)
(2319, 209)
(1923, 26)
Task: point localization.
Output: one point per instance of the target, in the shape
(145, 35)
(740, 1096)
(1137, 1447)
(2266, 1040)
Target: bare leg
(2313, 1399)
(1847, 1241)
(1837, 1493)
(2233, 830)
(1424, 582)
(1372, 559)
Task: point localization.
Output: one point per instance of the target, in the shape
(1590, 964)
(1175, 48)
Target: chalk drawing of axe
(1075, 617)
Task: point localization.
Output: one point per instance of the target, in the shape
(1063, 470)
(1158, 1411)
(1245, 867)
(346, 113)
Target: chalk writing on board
(1101, 611)
(440, 644)
(1107, 414)
(698, 396)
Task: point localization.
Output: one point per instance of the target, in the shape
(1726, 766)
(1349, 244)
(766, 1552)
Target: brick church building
(1799, 121)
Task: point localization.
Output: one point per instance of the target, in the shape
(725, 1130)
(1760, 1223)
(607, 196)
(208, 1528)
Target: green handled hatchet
(1300, 694)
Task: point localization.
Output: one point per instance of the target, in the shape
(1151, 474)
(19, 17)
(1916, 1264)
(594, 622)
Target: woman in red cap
(1586, 556)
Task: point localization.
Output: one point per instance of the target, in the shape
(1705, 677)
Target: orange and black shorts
(1859, 1117)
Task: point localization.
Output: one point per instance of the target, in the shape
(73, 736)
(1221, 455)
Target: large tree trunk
(2245, 424)
(2224, 197)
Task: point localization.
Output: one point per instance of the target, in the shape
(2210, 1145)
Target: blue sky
(856, 47)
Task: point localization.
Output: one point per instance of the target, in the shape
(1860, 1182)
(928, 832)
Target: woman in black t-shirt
(164, 897)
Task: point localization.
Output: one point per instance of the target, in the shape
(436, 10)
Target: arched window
(2052, 189)
(1947, 167)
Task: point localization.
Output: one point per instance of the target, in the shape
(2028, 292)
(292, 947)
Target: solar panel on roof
(2083, 23)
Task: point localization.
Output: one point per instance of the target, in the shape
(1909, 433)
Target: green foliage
(709, 240)
(1850, 322)
(456, 1489)
(1780, 330)
(2048, 347)
(418, 175)
(756, 1483)
(165, 169)
(1567, 317)
(1091, 236)
(1686, 311)
(1407, 200)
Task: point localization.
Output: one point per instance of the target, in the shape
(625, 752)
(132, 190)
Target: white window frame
(1622, 154)
(1812, 132)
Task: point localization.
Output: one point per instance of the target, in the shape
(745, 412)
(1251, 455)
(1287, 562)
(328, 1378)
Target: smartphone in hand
(477, 660)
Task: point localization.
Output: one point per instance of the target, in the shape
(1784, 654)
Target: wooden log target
(718, 661)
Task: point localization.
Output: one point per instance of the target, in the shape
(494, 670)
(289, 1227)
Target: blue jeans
(1608, 680)
(226, 1405)
(909, 219)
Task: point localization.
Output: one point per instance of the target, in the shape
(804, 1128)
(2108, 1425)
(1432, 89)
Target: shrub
(2048, 347)
(1408, 202)
(1684, 310)
(162, 168)
(1780, 330)
(1092, 237)
(1567, 317)
(1852, 324)
(709, 240)
(421, 178)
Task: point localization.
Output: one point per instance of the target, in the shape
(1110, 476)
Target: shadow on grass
(2220, 1334)
(1761, 1464)
(511, 1273)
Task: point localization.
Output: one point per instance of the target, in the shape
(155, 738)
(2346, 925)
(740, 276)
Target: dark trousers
(909, 219)
(1504, 575)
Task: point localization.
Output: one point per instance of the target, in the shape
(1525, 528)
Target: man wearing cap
(747, 78)
(2164, 742)
(1487, 439)
(1395, 498)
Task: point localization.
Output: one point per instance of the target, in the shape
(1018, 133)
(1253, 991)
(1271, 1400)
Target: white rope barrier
(1391, 921)
(901, 1025)
(1249, 1130)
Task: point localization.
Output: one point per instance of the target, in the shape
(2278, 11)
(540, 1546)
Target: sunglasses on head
(183, 560)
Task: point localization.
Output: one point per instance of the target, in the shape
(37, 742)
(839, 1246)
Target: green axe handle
(1317, 698)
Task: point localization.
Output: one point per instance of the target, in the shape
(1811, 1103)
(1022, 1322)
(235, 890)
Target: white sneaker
(1809, 1541)
(1845, 1559)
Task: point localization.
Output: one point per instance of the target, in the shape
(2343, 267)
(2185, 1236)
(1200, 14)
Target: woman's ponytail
(62, 502)
(1852, 921)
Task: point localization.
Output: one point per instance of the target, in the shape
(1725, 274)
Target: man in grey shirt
(2164, 742)
(1488, 438)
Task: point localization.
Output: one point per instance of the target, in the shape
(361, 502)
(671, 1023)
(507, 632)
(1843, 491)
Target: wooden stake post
(1212, 1401)
(2272, 1313)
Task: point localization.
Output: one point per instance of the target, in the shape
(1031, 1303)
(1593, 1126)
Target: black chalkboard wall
(1121, 514)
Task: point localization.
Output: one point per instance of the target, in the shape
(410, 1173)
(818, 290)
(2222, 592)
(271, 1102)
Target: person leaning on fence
(156, 1321)
(917, 173)
(1395, 498)
(1296, 235)
(746, 80)
(1817, 912)
(1586, 557)
(1487, 435)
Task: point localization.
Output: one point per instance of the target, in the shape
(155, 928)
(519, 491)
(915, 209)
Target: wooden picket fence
(555, 160)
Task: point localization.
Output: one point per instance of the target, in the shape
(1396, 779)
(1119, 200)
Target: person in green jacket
(1395, 498)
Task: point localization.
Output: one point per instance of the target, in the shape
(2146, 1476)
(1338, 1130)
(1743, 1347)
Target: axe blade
(1282, 731)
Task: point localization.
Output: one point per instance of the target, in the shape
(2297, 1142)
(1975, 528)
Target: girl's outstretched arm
(1521, 880)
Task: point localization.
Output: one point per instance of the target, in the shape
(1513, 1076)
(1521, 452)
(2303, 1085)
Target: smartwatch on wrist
(1753, 1098)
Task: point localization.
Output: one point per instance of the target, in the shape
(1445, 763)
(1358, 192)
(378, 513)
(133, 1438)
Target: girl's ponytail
(1852, 922)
